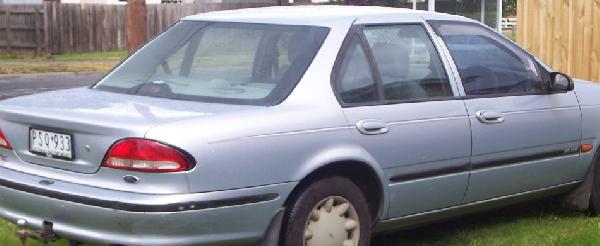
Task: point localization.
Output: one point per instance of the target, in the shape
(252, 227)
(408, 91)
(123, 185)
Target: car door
(393, 86)
(524, 136)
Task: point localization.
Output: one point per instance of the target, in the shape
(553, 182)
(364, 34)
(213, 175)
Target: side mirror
(560, 82)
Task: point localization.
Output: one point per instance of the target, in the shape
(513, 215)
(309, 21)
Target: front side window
(237, 63)
(488, 63)
(408, 64)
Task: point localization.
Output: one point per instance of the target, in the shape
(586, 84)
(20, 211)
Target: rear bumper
(96, 215)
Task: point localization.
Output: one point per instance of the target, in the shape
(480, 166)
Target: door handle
(489, 117)
(371, 127)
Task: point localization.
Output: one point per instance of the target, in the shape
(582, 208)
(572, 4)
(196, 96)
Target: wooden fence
(22, 28)
(565, 34)
(58, 28)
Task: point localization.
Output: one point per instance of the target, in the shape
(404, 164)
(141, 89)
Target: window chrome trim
(449, 60)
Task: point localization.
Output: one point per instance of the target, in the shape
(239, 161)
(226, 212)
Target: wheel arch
(353, 163)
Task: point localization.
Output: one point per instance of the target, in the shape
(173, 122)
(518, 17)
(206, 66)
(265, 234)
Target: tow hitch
(45, 235)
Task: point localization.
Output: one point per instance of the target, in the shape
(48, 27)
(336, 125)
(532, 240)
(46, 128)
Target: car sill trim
(414, 220)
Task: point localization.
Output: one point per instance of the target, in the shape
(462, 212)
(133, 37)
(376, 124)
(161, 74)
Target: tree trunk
(136, 24)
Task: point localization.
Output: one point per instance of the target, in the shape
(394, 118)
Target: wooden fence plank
(8, 28)
(45, 18)
(549, 32)
(565, 35)
(595, 63)
(556, 36)
(541, 29)
(587, 39)
(577, 44)
(520, 16)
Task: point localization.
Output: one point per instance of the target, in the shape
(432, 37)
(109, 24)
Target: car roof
(318, 15)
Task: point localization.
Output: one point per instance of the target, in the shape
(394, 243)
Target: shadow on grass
(509, 225)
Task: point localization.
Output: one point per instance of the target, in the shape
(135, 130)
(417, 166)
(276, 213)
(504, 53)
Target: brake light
(146, 156)
(3, 141)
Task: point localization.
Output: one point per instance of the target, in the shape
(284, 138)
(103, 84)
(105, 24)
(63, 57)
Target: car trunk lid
(95, 120)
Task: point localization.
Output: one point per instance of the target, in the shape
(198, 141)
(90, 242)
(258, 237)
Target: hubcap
(333, 221)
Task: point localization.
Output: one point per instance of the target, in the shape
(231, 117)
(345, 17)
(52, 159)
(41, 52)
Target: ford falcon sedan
(297, 126)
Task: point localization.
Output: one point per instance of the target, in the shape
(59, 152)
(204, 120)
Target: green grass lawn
(536, 223)
(8, 238)
(66, 56)
(68, 62)
(510, 35)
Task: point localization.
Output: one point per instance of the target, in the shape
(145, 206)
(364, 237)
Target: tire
(320, 206)
(595, 194)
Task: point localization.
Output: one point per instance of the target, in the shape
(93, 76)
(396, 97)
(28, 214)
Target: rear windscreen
(236, 63)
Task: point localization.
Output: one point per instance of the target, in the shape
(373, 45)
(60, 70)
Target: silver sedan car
(297, 126)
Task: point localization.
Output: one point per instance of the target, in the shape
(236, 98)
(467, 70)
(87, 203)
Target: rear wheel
(330, 211)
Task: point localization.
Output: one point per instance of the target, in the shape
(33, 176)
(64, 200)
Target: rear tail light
(146, 156)
(3, 141)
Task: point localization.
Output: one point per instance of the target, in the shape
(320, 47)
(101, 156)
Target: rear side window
(355, 81)
(488, 63)
(408, 64)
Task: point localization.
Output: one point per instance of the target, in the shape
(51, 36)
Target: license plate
(50, 144)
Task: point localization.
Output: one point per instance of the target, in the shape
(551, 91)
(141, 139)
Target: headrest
(392, 61)
(295, 46)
